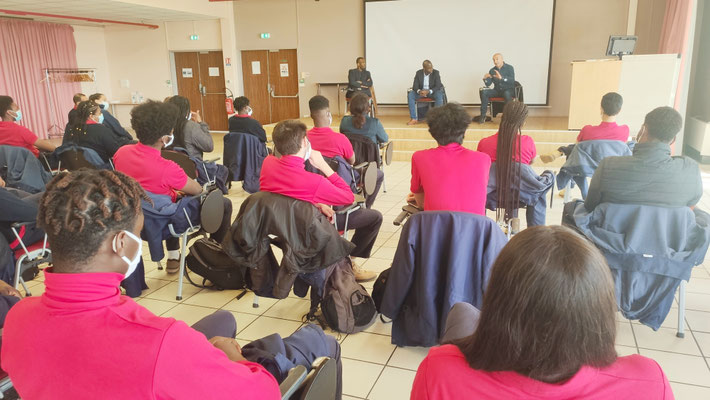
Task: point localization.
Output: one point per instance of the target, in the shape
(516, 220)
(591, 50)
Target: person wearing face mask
(286, 175)
(94, 342)
(13, 134)
(85, 129)
(242, 121)
(651, 175)
(191, 133)
(153, 123)
(109, 120)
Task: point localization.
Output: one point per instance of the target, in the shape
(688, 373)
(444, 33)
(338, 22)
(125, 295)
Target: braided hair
(77, 123)
(183, 105)
(507, 159)
(79, 209)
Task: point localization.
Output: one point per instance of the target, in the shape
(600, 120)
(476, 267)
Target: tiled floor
(373, 368)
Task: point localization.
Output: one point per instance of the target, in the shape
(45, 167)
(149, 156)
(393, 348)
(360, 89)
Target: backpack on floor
(346, 305)
(378, 289)
(208, 260)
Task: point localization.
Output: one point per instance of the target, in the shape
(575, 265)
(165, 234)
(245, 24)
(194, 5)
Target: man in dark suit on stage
(359, 79)
(502, 76)
(427, 83)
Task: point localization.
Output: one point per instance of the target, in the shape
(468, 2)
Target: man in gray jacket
(651, 175)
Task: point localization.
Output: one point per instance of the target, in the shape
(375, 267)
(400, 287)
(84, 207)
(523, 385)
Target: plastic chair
(386, 157)
(320, 383)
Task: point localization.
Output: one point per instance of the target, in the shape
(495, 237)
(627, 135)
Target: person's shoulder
(636, 367)
(125, 150)
(445, 353)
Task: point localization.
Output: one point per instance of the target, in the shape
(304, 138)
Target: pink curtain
(675, 35)
(26, 49)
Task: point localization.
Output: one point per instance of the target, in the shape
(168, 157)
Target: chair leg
(568, 187)
(384, 184)
(24, 286)
(18, 268)
(183, 249)
(681, 310)
(345, 231)
(255, 304)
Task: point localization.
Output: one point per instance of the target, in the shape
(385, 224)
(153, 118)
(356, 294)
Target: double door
(271, 84)
(200, 78)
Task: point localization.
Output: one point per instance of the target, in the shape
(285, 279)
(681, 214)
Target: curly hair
(240, 103)
(663, 123)
(447, 124)
(80, 209)
(153, 120)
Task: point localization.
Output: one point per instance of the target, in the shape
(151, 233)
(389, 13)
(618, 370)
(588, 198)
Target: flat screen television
(621, 45)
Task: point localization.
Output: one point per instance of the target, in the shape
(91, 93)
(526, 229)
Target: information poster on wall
(213, 71)
(256, 67)
(284, 70)
(187, 72)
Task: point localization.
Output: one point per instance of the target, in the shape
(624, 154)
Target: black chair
(320, 383)
(73, 159)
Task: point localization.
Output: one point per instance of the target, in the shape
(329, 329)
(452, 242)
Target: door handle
(271, 92)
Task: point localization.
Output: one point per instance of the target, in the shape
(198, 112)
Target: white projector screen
(460, 38)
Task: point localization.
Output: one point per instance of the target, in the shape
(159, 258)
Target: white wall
(91, 53)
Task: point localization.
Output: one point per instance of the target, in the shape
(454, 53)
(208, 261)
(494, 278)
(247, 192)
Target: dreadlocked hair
(77, 123)
(507, 160)
(79, 209)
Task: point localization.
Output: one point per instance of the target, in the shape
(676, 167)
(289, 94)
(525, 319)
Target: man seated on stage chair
(463, 187)
(651, 175)
(331, 143)
(359, 79)
(502, 76)
(607, 130)
(287, 176)
(427, 83)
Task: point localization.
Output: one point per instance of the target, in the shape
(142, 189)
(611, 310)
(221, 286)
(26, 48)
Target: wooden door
(214, 111)
(255, 74)
(187, 70)
(283, 78)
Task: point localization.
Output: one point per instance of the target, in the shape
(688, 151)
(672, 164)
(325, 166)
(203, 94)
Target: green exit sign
(265, 35)
(194, 37)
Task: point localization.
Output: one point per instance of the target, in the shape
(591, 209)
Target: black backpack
(208, 260)
(378, 289)
(346, 305)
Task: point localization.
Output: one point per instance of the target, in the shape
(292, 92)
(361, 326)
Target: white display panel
(460, 38)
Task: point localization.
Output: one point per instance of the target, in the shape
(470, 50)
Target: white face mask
(330, 119)
(188, 116)
(308, 150)
(249, 111)
(132, 263)
(172, 138)
(104, 105)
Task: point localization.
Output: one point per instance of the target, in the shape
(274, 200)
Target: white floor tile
(680, 367)
(689, 392)
(359, 377)
(408, 357)
(665, 339)
(246, 304)
(157, 307)
(393, 384)
(187, 313)
(289, 308)
(212, 298)
(368, 347)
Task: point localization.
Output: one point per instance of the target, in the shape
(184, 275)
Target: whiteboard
(460, 38)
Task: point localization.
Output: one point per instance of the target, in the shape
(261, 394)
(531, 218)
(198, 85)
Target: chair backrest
(73, 159)
(370, 178)
(321, 382)
(212, 211)
(183, 160)
(365, 149)
(389, 153)
(531, 185)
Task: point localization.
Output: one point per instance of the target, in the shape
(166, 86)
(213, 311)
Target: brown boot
(363, 275)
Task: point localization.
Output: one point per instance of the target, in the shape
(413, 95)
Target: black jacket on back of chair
(310, 242)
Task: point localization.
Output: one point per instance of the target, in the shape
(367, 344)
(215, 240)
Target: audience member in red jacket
(607, 130)
(464, 186)
(546, 330)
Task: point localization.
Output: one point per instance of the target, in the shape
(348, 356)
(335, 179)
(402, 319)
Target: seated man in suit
(502, 76)
(427, 83)
(359, 79)
(109, 120)
(651, 175)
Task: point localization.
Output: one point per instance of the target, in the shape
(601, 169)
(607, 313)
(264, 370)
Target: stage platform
(549, 133)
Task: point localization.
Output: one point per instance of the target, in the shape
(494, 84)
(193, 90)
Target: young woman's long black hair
(77, 123)
(183, 105)
(507, 152)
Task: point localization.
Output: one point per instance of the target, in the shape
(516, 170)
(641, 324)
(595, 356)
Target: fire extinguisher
(229, 102)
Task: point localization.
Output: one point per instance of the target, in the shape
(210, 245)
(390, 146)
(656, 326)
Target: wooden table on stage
(337, 85)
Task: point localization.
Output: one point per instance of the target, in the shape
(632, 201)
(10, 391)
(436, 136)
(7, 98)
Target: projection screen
(460, 38)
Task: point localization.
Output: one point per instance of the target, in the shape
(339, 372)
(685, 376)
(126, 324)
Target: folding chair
(5, 383)
(386, 159)
(32, 255)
